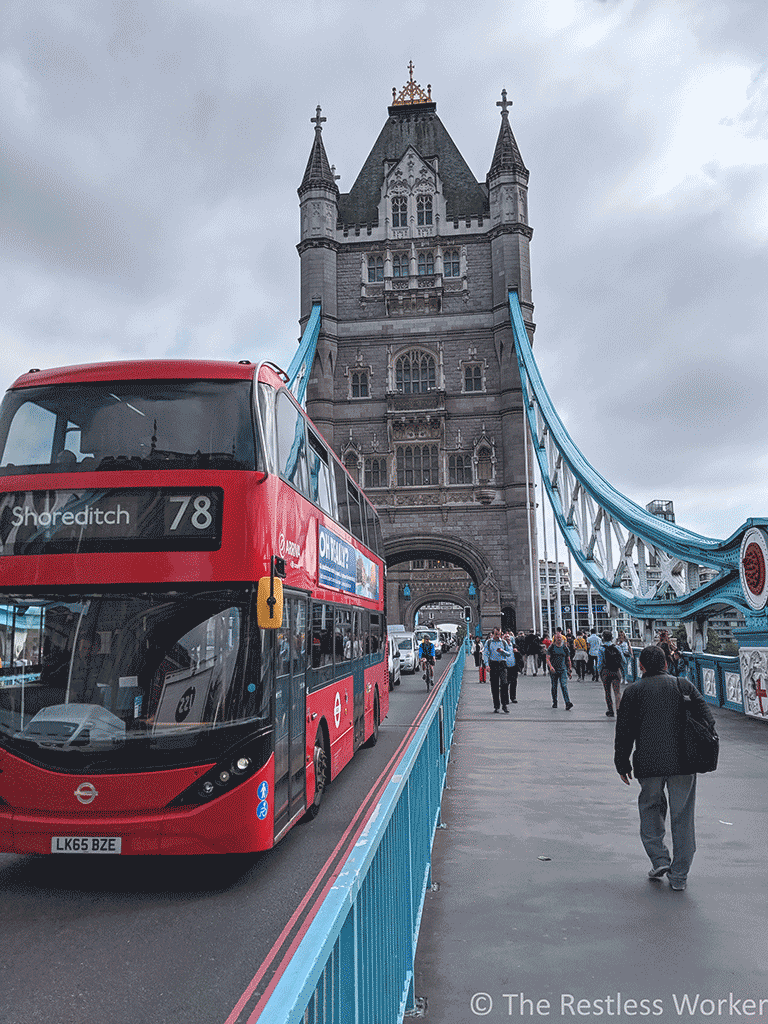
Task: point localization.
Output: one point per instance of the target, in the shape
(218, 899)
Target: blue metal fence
(717, 677)
(355, 963)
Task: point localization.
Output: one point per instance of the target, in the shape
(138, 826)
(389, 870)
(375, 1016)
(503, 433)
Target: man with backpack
(612, 669)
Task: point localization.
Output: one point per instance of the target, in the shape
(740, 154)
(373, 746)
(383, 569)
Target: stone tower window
(400, 212)
(451, 263)
(473, 377)
(375, 473)
(417, 465)
(426, 263)
(484, 465)
(400, 264)
(414, 373)
(459, 469)
(359, 384)
(375, 268)
(352, 467)
(423, 210)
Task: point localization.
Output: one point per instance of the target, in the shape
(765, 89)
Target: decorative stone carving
(709, 680)
(733, 687)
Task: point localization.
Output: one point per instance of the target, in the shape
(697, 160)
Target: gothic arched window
(415, 373)
(423, 210)
(473, 377)
(459, 469)
(400, 264)
(400, 212)
(375, 473)
(375, 268)
(360, 384)
(426, 263)
(484, 465)
(451, 264)
(351, 466)
(417, 465)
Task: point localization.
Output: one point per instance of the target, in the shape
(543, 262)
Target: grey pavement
(541, 907)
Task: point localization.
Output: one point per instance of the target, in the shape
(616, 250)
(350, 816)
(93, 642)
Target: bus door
(349, 658)
(290, 711)
(358, 682)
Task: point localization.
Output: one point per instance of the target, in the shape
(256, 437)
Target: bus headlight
(242, 764)
(224, 777)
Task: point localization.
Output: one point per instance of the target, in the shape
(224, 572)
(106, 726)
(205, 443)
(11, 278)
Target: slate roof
(318, 172)
(419, 126)
(506, 156)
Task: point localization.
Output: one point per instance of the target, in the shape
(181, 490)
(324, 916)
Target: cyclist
(427, 658)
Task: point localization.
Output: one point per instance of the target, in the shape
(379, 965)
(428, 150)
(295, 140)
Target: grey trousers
(652, 801)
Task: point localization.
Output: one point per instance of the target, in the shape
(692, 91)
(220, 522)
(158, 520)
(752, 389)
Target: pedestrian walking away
(532, 651)
(512, 666)
(496, 653)
(580, 656)
(559, 665)
(651, 720)
(612, 669)
(593, 646)
(477, 652)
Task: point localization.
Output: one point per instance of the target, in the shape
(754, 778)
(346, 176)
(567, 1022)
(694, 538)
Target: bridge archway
(485, 603)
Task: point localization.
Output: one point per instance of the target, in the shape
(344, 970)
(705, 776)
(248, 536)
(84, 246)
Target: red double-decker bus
(192, 622)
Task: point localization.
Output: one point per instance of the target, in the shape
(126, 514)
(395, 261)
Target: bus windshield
(129, 681)
(120, 425)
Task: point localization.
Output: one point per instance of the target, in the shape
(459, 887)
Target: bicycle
(428, 672)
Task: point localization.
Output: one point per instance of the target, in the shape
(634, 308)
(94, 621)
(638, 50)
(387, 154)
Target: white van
(409, 648)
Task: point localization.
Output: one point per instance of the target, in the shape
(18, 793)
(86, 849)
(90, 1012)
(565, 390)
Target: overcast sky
(151, 154)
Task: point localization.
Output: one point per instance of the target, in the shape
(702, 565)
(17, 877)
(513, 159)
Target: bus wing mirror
(269, 603)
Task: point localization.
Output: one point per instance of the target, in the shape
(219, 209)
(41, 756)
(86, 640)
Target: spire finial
(317, 121)
(411, 93)
(504, 103)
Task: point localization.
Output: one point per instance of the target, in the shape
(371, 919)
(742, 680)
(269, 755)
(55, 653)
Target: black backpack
(612, 659)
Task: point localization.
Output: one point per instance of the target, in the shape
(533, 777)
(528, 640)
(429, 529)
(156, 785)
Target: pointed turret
(506, 156)
(318, 173)
(318, 249)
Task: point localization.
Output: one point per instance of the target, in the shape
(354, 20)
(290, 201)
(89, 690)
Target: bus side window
(320, 490)
(344, 638)
(376, 632)
(356, 524)
(291, 443)
(266, 414)
(341, 495)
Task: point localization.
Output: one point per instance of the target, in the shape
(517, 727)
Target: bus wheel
(321, 777)
(376, 715)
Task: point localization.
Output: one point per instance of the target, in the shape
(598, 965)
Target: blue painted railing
(355, 963)
(301, 364)
(716, 676)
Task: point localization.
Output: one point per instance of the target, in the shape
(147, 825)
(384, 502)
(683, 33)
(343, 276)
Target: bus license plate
(85, 844)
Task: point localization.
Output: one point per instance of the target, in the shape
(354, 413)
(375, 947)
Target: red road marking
(339, 855)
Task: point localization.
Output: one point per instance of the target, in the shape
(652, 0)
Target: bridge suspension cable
(615, 541)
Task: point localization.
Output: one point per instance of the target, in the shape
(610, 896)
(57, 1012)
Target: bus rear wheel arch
(372, 739)
(320, 760)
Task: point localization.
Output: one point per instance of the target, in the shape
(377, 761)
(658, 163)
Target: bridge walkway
(540, 893)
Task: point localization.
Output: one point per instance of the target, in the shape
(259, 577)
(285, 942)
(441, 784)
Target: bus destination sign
(135, 519)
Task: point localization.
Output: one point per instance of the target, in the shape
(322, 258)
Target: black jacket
(650, 719)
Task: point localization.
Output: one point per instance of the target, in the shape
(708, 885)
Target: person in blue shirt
(496, 653)
(426, 654)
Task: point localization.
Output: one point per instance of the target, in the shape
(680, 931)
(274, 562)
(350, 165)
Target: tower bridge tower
(415, 381)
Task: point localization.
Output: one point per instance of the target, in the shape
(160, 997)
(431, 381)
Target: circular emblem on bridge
(86, 793)
(752, 567)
